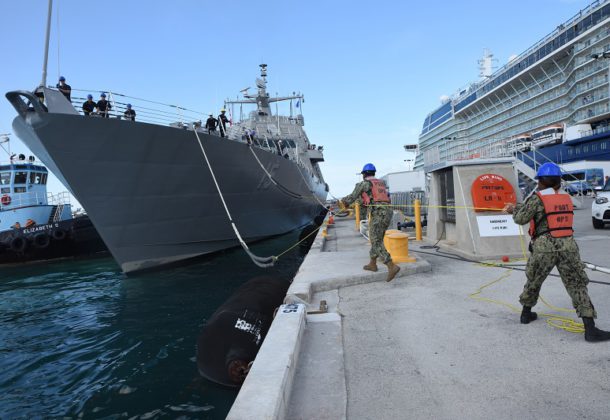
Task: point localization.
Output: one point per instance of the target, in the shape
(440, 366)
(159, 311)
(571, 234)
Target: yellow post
(357, 212)
(398, 247)
(417, 220)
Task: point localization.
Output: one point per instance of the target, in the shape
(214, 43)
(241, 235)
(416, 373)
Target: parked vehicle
(578, 188)
(600, 209)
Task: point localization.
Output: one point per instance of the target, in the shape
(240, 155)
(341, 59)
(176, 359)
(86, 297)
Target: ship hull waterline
(150, 194)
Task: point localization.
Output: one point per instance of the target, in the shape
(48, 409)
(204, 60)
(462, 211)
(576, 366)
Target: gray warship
(147, 187)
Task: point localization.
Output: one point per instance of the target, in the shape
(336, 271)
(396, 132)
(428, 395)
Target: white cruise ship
(549, 103)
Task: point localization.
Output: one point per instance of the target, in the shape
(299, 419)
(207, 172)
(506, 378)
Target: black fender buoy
(232, 336)
(41, 240)
(59, 234)
(19, 244)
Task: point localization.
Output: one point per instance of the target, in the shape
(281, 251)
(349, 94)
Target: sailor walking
(222, 122)
(373, 195)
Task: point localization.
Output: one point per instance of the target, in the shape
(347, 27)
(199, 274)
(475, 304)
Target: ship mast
(262, 99)
(45, 60)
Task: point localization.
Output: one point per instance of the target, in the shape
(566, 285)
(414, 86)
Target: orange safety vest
(379, 190)
(559, 213)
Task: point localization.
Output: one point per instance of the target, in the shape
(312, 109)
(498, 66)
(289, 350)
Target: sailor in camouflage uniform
(550, 214)
(372, 194)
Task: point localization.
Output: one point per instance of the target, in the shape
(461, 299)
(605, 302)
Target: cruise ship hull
(149, 191)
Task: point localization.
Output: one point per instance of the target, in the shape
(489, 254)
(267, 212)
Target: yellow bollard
(399, 247)
(357, 212)
(385, 237)
(417, 220)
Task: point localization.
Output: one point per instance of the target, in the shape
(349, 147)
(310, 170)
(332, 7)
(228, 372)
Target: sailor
(373, 195)
(550, 214)
(129, 113)
(89, 106)
(222, 122)
(17, 225)
(211, 124)
(30, 223)
(103, 106)
(64, 88)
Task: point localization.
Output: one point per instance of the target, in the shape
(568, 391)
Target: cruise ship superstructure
(557, 88)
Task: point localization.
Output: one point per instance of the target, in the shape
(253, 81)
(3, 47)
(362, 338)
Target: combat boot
(393, 269)
(592, 333)
(527, 315)
(371, 266)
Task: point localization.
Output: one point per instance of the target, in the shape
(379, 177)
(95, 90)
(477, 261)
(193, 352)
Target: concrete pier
(421, 346)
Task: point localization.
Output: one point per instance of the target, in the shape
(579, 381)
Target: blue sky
(370, 71)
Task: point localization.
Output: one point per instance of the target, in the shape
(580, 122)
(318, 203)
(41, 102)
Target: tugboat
(34, 224)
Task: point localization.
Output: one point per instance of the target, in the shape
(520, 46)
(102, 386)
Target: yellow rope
(554, 320)
(296, 244)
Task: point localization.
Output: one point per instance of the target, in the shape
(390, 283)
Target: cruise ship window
(5, 178)
(21, 177)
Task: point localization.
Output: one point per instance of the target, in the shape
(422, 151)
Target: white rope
(259, 261)
(262, 166)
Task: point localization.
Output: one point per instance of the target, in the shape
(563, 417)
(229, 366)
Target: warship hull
(150, 193)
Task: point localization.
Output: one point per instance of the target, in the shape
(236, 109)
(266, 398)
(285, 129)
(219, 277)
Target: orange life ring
(5, 200)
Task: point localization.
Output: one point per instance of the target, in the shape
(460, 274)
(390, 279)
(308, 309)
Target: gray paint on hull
(149, 192)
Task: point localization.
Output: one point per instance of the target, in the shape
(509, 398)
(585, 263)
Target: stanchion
(417, 220)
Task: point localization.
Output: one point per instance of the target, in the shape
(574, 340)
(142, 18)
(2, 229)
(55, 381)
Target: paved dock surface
(421, 347)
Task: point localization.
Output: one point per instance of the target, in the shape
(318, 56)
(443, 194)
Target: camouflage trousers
(571, 270)
(380, 221)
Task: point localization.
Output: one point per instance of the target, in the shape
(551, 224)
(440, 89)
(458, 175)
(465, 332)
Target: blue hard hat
(103, 95)
(128, 105)
(62, 79)
(89, 96)
(548, 169)
(369, 167)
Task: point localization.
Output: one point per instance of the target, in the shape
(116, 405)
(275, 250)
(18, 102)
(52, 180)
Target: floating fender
(59, 234)
(41, 240)
(232, 336)
(19, 244)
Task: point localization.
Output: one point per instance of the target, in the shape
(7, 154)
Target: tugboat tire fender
(18, 244)
(59, 234)
(41, 240)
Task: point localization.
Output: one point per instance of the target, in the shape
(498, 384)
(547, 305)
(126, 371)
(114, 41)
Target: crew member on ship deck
(89, 105)
(64, 88)
(129, 113)
(103, 106)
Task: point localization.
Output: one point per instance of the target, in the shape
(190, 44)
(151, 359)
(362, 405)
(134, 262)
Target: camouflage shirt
(533, 209)
(356, 196)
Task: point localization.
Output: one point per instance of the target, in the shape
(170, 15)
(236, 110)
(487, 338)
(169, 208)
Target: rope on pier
(262, 262)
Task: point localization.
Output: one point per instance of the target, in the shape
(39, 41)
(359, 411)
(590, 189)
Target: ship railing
(59, 199)
(32, 199)
(148, 111)
(570, 22)
(180, 117)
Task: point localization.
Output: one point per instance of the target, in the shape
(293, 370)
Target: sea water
(79, 339)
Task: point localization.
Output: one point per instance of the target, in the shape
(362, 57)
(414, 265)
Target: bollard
(417, 220)
(399, 247)
(357, 213)
(385, 237)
